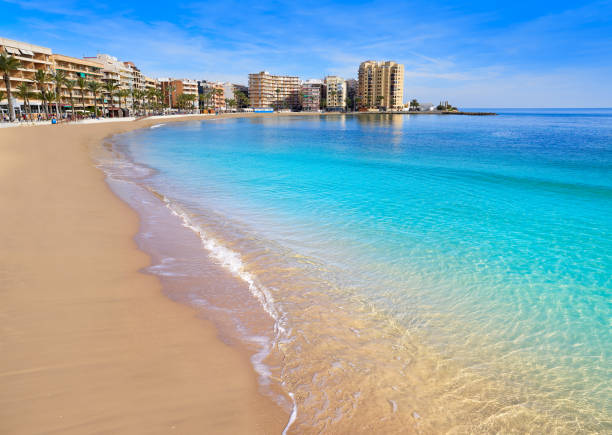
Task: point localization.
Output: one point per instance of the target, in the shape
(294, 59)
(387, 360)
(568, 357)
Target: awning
(27, 52)
(12, 50)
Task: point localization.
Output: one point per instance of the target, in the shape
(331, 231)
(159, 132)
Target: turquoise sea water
(436, 273)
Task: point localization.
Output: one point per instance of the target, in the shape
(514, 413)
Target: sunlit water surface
(417, 273)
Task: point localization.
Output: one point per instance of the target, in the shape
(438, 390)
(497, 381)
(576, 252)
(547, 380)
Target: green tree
(277, 98)
(142, 97)
(94, 88)
(47, 97)
(70, 85)
(81, 83)
(139, 96)
(191, 99)
(180, 101)
(205, 98)
(59, 78)
(8, 65)
(241, 99)
(41, 78)
(151, 95)
(170, 89)
(111, 88)
(349, 103)
(219, 93)
(414, 103)
(51, 96)
(379, 100)
(24, 92)
(124, 94)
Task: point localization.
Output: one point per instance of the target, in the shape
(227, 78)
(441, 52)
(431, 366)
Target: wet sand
(88, 342)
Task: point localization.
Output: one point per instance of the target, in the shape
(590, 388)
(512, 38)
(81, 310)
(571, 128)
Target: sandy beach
(89, 344)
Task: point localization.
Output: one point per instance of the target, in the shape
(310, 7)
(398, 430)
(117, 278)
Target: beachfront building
(75, 68)
(212, 94)
(228, 90)
(173, 88)
(125, 75)
(32, 58)
(151, 83)
(270, 91)
(381, 85)
(310, 95)
(335, 90)
(136, 79)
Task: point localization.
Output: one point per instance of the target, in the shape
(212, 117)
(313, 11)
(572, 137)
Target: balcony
(34, 60)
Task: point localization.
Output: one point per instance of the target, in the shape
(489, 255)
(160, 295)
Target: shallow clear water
(424, 273)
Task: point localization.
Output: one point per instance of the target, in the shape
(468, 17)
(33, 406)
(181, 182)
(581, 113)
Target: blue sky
(474, 54)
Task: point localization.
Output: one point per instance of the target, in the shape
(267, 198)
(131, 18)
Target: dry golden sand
(88, 344)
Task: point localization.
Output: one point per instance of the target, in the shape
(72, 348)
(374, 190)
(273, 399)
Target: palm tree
(59, 78)
(23, 92)
(51, 96)
(277, 98)
(204, 99)
(82, 84)
(136, 100)
(70, 84)
(8, 65)
(159, 96)
(47, 97)
(151, 95)
(218, 93)
(191, 99)
(357, 101)
(42, 80)
(170, 88)
(95, 87)
(137, 96)
(141, 99)
(110, 87)
(123, 93)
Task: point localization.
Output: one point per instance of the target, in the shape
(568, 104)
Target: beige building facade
(267, 91)
(381, 85)
(335, 91)
(32, 58)
(125, 74)
(213, 94)
(76, 68)
(151, 83)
